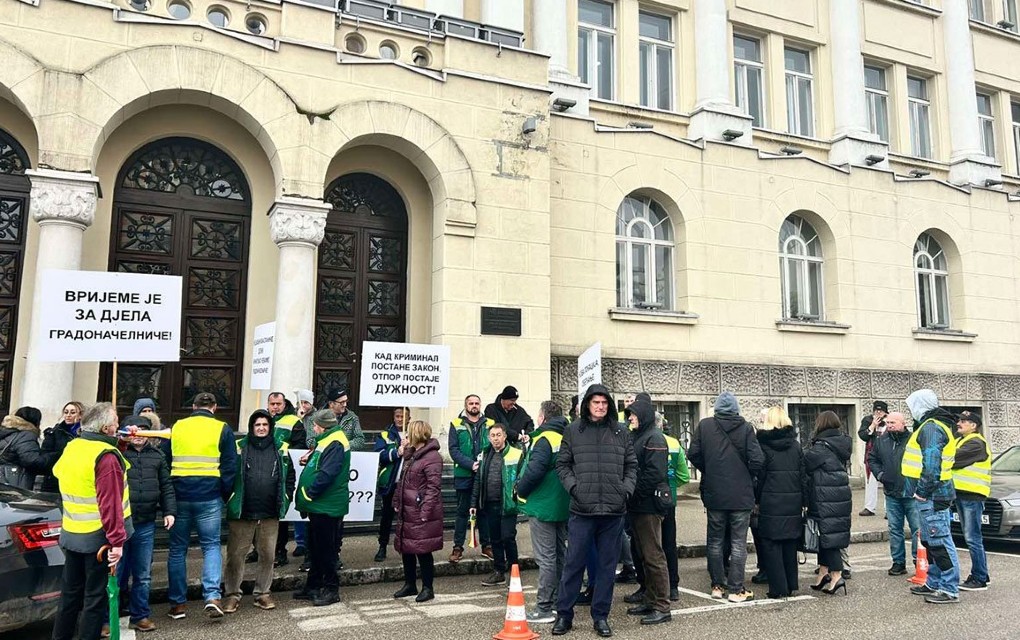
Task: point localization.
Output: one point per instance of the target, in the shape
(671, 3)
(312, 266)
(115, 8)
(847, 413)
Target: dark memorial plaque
(501, 321)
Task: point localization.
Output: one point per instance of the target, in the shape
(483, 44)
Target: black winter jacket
(830, 502)
(517, 421)
(20, 457)
(780, 487)
(885, 459)
(150, 484)
(597, 465)
(651, 491)
(54, 440)
(726, 452)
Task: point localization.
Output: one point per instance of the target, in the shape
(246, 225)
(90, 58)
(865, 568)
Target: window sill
(813, 326)
(944, 335)
(661, 317)
(917, 7)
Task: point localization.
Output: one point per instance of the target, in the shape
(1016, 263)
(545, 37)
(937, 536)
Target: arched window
(644, 255)
(800, 265)
(932, 272)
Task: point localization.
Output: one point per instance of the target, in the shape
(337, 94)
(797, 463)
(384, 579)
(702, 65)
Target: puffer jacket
(597, 465)
(21, 459)
(150, 484)
(54, 440)
(780, 487)
(830, 502)
(651, 490)
(418, 501)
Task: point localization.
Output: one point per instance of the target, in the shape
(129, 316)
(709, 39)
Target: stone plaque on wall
(501, 321)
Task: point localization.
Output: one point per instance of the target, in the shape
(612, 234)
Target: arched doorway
(183, 207)
(14, 189)
(362, 283)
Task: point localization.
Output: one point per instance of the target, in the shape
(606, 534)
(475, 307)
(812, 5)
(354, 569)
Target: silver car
(1001, 519)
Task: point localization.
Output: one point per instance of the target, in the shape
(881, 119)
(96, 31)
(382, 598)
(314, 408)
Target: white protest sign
(364, 471)
(99, 316)
(262, 356)
(395, 374)
(589, 368)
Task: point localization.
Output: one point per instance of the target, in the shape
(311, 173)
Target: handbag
(810, 536)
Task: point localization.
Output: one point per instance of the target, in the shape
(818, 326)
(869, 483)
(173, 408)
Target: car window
(1008, 462)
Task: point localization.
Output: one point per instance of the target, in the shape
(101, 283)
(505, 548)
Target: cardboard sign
(364, 472)
(262, 356)
(99, 316)
(395, 374)
(589, 369)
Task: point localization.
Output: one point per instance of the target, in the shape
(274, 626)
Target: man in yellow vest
(202, 466)
(972, 477)
(927, 470)
(96, 512)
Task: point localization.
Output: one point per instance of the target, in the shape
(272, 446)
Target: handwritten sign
(262, 356)
(589, 369)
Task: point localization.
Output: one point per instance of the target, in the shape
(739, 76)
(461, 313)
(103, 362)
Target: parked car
(1001, 519)
(31, 562)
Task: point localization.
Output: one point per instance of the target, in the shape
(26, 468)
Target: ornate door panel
(362, 283)
(182, 208)
(14, 188)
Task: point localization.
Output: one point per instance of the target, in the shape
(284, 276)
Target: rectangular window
(920, 118)
(656, 53)
(800, 116)
(986, 124)
(748, 73)
(595, 46)
(1015, 108)
(977, 10)
(877, 96)
(1009, 10)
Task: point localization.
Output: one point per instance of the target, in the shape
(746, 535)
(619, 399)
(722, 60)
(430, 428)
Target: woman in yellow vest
(972, 477)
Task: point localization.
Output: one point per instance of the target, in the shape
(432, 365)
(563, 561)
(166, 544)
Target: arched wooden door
(183, 207)
(362, 284)
(14, 189)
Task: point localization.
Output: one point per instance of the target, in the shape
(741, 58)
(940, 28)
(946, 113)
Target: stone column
(550, 30)
(297, 226)
(452, 8)
(508, 14)
(63, 204)
(853, 142)
(714, 111)
(968, 165)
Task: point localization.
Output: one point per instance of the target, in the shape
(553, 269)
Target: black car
(31, 562)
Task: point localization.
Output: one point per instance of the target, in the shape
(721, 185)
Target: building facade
(808, 203)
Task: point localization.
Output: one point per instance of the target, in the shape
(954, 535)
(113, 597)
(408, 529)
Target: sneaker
(922, 590)
(897, 569)
(143, 626)
(717, 592)
(231, 603)
(299, 551)
(265, 601)
(178, 612)
(973, 584)
(213, 609)
(456, 554)
(487, 552)
(495, 579)
(941, 597)
(866, 513)
(541, 617)
(743, 596)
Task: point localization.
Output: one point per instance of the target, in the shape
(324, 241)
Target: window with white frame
(596, 34)
(986, 124)
(977, 10)
(800, 115)
(749, 72)
(656, 54)
(1014, 107)
(644, 255)
(876, 94)
(1009, 11)
(800, 265)
(931, 270)
(920, 117)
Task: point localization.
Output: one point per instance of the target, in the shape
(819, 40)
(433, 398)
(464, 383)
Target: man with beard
(468, 436)
(505, 410)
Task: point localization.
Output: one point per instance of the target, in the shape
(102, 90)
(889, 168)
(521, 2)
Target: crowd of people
(598, 488)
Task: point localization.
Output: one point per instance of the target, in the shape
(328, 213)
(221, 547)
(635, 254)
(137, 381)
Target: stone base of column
(975, 171)
(720, 125)
(859, 151)
(568, 88)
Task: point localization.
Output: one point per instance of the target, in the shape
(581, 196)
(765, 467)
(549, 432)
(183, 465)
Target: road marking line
(309, 612)
(380, 607)
(331, 622)
(692, 592)
(400, 618)
(447, 610)
(728, 605)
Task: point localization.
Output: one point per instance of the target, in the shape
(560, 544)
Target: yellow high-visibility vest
(76, 471)
(913, 458)
(195, 445)
(975, 478)
(286, 422)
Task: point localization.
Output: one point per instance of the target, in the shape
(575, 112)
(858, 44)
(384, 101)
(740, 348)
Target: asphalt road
(877, 607)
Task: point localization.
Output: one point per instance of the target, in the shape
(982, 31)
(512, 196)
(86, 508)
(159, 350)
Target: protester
(203, 464)
(387, 444)
(872, 427)
(506, 411)
(56, 438)
(143, 406)
(148, 477)
(323, 497)
(287, 429)
(972, 478)
(598, 468)
(305, 409)
(419, 506)
(679, 475)
(726, 452)
(468, 436)
(305, 404)
(830, 502)
(493, 501)
(92, 475)
(263, 488)
(573, 414)
(780, 499)
(21, 459)
(350, 424)
(885, 460)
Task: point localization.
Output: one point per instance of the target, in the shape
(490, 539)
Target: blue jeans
(299, 534)
(737, 522)
(136, 566)
(943, 563)
(970, 520)
(205, 518)
(899, 510)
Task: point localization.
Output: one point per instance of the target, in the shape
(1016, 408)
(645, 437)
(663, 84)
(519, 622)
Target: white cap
(305, 395)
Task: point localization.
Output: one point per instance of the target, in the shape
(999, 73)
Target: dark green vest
(549, 502)
(336, 500)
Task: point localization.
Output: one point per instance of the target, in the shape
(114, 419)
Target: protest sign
(362, 488)
(395, 374)
(589, 369)
(262, 356)
(99, 316)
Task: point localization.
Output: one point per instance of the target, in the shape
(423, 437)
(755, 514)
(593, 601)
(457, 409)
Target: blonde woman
(779, 494)
(418, 503)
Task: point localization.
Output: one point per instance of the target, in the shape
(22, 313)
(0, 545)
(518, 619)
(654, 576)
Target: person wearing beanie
(872, 426)
(143, 406)
(724, 449)
(506, 411)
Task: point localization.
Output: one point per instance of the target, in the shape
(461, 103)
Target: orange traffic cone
(516, 625)
(921, 572)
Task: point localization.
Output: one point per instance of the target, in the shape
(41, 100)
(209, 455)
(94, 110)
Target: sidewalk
(358, 553)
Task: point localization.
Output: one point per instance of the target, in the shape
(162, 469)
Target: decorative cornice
(63, 197)
(298, 221)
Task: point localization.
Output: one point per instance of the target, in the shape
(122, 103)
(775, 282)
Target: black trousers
(428, 568)
(322, 542)
(778, 559)
(282, 536)
(84, 592)
(503, 535)
(831, 558)
(386, 520)
(668, 545)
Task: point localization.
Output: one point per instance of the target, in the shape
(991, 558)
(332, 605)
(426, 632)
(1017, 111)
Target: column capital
(298, 221)
(63, 197)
